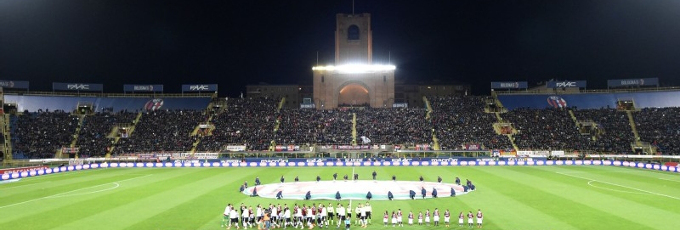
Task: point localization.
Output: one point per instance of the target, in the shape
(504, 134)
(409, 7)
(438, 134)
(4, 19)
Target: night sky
(234, 43)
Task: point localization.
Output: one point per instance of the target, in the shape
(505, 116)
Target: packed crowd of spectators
(660, 127)
(615, 134)
(309, 126)
(404, 126)
(546, 129)
(42, 134)
(245, 121)
(92, 138)
(461, 121)
(458, 122)
(162, 130)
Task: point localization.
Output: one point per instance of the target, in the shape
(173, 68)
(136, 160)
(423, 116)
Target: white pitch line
(70, 193)
(669, 180)
(623, 186)
(615, 190)
(21, 186)
(60, 194)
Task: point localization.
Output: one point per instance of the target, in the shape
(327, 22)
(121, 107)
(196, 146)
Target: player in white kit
(436, 217)
(410, 218)
(394, 219)
(225, 219)
(400, 220)
(298, 217)
(244, 218)
(427, 217)
(233, 215)
(386, 217)
(341, 214)
(480, 217)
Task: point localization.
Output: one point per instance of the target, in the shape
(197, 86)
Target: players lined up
(397, 219)
(325, 216)
(297, 217)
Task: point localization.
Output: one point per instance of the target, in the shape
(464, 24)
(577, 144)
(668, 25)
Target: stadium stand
(309, 126)
(41, 134)
(405, 126)
(460, 120)
(244, 121)
(161, 131)
(92, 138)
(615, 134)
(457, 122)
(660, 127)
(546, 129)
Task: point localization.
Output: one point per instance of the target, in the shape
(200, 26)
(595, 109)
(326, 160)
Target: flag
(365, 140)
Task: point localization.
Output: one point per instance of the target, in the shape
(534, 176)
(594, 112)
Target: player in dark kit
(282, 179)
(439, 179)
(374, 175)
(356, 176)
(345, 177)
(318, 178)
(335, 176)
(331, 213)
(421, 179)
(297, 179)
(257, 180)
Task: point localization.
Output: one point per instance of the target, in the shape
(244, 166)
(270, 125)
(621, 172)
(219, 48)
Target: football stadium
(356, 149)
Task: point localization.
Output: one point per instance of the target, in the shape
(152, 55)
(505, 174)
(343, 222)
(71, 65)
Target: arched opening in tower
(353, 95)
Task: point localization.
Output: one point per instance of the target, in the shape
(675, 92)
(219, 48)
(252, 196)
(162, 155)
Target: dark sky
(234, 43)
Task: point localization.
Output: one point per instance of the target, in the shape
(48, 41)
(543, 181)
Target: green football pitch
(511, 197)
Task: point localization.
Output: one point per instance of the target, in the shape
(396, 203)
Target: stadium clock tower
(353, 80)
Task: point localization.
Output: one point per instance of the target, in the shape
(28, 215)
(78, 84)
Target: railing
(73, 94)
(626, 90)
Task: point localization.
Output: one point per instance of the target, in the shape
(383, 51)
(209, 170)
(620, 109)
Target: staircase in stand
(74, 142)
(354, 128)
(272, 143)
(117, 138)
(633, 127)
(499, 108)
(428, 117)
(215, 107)
(7, 134)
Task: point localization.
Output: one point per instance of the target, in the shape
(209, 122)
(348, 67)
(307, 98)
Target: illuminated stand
(354, 80)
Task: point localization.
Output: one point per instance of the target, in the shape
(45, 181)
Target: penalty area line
(615, 190)
(669, 180)
(66, 194)
(623, 186)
